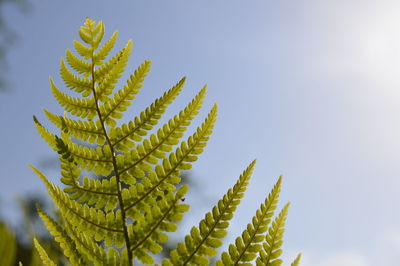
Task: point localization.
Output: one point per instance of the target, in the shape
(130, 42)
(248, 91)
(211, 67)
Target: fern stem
(114, 162)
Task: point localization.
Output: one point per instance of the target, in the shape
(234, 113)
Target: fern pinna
(124, 216)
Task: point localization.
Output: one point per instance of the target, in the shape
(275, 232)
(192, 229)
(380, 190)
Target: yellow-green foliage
(125, 215)
(8, 246)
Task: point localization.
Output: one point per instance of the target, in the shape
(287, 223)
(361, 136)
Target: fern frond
(98, 160)
(103, 226)
(45, 134)
(78, 84)
(122, 99)
(103, 51)
(296, 262)
(83, 50)
(204, 239)
(122, 137)
(106, 83)
(101, 193)
(84, 130)
(162, 215)
(271, 251)
(90, 248)
(82, 107)
(63, 239)
(156, 146)
(167, 174)
(248, 244)
(78, 64)
(43, 255)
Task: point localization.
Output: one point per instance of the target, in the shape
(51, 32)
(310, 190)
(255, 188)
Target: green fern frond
(78, 84)
(43, 255)
(122, 137)
(83, 130)
(271, 251)
(63, 239)
(156, 146)
(82, 107)
(248, 244)
(122, 99)
(101, 193)
(106, 83)
(296, 262)
(204, 239)
(77, 64)
(103, 51)
(103, 226)
(167, 174)
(161, 215)
(45, 134)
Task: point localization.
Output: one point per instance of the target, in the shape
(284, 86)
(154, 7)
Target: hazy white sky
(309, 88)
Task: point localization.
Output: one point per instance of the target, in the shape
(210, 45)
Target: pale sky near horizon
(309, 88)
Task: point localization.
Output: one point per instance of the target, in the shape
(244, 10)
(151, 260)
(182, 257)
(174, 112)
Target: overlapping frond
(101, 225)
(106, 82)
(166, 175)
(271, 251)
(203, 240)
(122, 99)
(122, 137)
(101, 193)
(248, 244)
(155, 148)
(43, 254)
(74, 82)
(63, 239)
(82, 107)
(80, 129)
(161, 216)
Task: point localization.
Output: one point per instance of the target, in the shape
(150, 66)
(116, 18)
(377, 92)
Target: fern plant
(124, 216)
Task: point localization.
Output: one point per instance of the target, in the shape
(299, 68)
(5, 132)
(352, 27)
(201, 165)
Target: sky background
(309, 88)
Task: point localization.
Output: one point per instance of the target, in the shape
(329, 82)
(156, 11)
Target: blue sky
(309, 88)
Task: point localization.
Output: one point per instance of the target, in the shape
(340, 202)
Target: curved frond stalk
(8, 246)
(271, 251)
(296, 262)
(74, 82)
(167, 174)
(160, 216)
(82, 107)
(83, 130)
(205, 239)
(248, 244)
(156, 146)
(63, 239)
(122, 137)
(43, 255)
(122, 99)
